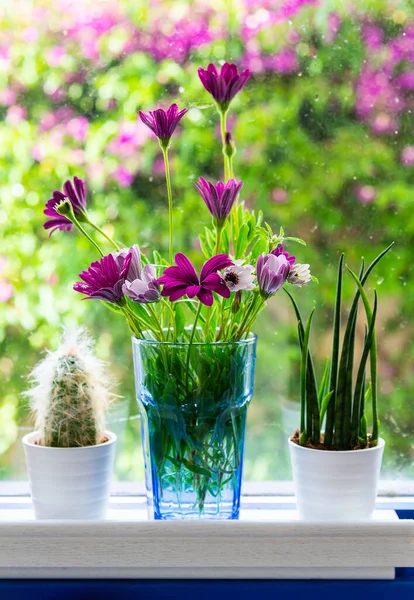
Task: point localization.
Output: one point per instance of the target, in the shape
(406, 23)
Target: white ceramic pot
(70, 483)
(336, 485)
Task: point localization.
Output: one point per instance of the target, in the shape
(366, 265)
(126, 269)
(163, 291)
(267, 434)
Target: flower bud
(235, 307)
(229, 146)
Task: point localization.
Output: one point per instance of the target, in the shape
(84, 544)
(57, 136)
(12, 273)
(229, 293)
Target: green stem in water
(170, 202)
(190, 343)
(106, 236)
(171, 315)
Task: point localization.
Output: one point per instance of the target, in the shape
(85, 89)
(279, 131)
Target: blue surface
(402, 588)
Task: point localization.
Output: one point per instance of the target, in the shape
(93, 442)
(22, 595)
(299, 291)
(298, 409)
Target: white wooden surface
(265, 543)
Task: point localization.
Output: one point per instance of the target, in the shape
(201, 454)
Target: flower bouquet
(194, 350)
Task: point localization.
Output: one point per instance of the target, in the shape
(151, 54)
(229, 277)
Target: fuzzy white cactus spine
(70, 394)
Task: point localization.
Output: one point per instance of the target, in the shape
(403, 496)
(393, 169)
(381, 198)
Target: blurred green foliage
(308, 159)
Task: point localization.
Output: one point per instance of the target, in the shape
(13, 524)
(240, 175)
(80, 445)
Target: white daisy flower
(299, 275)
(239, 276)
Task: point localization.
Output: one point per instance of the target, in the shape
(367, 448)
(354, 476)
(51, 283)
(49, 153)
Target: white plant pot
(336, 485)
(70, 483)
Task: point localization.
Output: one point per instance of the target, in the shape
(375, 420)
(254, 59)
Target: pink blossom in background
(333, 24)
(285, 61)
(406, 80)
(53, 279)
(195, 244)
(267, 14)
(256, 21)
(38, 152)
(402, 47)
(30, 35)
(76, 156)
(290, 8)
(78, 76)
(56, 136)
(382, 123)
(177, 42)
(96, 171)
(132, 134)
(6, 290)
(292, 37)
(158, 167)
(375, 90)
(279, 196)
(51, 118)
(373, 36)
(123, 177)
(407, 156)
(8, 96)
(254, 62)
(77, 128)
(5, 62)
(58, 95)
(55, 56)
(15, 114)
(365, 193)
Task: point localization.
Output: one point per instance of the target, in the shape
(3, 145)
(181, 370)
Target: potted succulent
(336, 460)
(70, 455)
(194, 350)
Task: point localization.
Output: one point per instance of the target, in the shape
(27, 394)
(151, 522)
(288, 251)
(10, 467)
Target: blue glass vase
(193, 401)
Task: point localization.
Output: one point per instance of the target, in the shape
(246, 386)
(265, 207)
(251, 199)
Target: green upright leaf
(179, 319)
(361, 373)
(303, 372)
(373, 358)
(330, 414)
(241, 241)
(324, 404)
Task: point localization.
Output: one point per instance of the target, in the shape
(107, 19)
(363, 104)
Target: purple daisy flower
(271, 273)
(140, 285)
(280, 251)
(219, 198)
(74, 192)
(225, 85)
(104, 279)
(143, 289)
(183, 280)
(163, 123)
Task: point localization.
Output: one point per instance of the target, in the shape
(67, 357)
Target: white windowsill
(268, 542)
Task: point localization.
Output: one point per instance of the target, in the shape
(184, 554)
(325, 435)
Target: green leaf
(373, 357)
(259, 247)
(295, 239)
(179, 319)
(196, 468)
(324, 383)
(241, 241)
(324, 404)
(114, 307)
(361, 372)
(303, 372)
(330, 414)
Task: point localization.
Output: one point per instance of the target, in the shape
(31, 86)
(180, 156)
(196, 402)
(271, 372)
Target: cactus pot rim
(30, 440)
(381, 444)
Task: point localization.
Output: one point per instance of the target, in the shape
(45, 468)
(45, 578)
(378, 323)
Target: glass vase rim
(251, 339)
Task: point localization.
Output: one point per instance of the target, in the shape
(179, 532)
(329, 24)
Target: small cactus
(70, 394)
